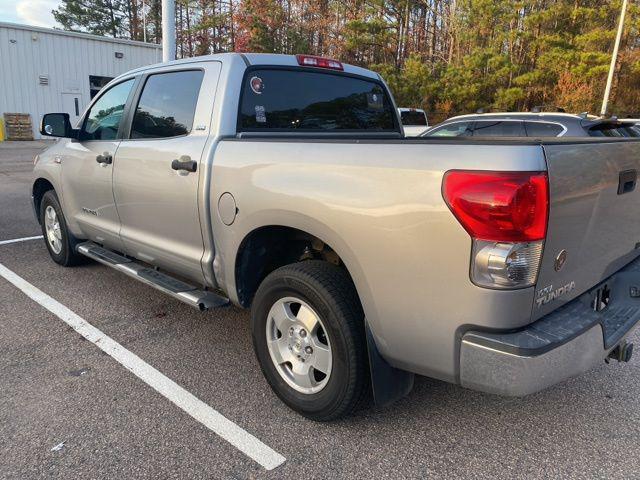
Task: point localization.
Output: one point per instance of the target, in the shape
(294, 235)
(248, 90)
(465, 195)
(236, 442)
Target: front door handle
(105, 158)
(185, 163)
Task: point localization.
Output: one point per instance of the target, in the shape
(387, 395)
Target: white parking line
(16, 240)
(232, 433)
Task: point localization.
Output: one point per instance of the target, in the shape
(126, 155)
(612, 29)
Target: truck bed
(381, 201)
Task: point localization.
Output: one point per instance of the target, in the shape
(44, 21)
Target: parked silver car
(536, 125)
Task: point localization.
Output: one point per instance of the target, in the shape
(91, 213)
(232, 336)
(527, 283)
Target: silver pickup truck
(285, 184)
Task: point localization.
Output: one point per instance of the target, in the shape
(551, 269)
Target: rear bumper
(571, 340)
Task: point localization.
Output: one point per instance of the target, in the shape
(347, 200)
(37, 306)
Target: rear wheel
(59, 241)
(308, 335)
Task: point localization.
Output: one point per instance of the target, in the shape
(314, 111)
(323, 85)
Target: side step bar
(200, 299)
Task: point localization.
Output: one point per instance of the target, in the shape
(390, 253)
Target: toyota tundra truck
(284, 184)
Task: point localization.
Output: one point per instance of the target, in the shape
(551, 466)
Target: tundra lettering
(548, 293)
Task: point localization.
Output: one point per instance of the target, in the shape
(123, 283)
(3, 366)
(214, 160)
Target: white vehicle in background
(534, 124)
(414, 121)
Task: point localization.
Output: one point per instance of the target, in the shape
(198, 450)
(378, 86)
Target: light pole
(614, 59)
(169, 30)
(144, 22)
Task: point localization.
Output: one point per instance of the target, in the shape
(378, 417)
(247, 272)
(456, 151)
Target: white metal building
(44, 70)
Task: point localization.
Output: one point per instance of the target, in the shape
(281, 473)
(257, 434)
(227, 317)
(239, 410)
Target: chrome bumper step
(189, 294)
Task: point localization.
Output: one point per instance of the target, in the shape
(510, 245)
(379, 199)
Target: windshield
(456, 129)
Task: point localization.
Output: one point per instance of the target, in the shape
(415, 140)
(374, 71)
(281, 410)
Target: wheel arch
(40, 186)
(268, 247)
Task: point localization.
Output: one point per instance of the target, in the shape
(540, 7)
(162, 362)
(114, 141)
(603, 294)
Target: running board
(200, 299)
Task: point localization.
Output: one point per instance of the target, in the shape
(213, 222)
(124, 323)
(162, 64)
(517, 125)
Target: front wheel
(59, 241)
(308, 335)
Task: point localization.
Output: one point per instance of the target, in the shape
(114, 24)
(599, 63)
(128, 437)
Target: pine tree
(100, 17)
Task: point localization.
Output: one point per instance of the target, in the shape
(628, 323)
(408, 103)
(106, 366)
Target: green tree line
(446, 56)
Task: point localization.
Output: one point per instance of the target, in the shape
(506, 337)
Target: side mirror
(57, 125)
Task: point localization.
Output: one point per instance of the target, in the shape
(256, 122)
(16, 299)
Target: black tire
(67, 256)
(330, 292)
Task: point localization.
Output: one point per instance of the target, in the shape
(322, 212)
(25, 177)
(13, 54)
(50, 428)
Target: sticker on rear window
(257, 85)
(374, 101)
(261, 116)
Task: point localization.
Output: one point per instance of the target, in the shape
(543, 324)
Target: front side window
(167, 105)
(492, 128)
(105, 116)
(458, 129)
(299, 100)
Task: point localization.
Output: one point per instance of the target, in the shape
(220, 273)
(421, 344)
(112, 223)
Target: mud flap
(388, 383)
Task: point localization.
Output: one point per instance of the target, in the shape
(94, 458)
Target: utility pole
(169, 30)
(614, 59)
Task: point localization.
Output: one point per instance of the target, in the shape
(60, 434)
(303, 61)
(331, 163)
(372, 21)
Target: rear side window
(492, 128)
(614, 130)
(167, 105)
(458, 129)
(413, 118)
(543, 129)
(301, 100)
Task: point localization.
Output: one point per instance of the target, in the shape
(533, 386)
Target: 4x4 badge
(560, 260)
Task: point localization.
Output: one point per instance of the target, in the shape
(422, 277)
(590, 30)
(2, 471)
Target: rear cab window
(281, 99)
(413, 118)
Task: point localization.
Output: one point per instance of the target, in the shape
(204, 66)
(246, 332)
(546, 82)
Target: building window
(96, 83)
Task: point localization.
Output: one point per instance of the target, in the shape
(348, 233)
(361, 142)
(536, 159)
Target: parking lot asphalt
(59, 390)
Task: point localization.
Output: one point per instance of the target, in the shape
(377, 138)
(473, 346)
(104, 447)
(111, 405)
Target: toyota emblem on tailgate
(560, 260)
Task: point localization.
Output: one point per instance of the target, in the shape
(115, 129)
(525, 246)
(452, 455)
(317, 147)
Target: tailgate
(594, 224)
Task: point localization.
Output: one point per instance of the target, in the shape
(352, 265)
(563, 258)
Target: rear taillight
(506, 215)
(499, 206)
(320, 62)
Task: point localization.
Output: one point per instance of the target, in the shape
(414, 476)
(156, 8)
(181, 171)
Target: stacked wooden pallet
(18, 126)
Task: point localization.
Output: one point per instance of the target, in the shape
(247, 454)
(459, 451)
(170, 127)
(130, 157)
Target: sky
(28, 12)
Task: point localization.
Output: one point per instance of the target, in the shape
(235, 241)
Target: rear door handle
(627, 181)
(105, 158)
(185, 163)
